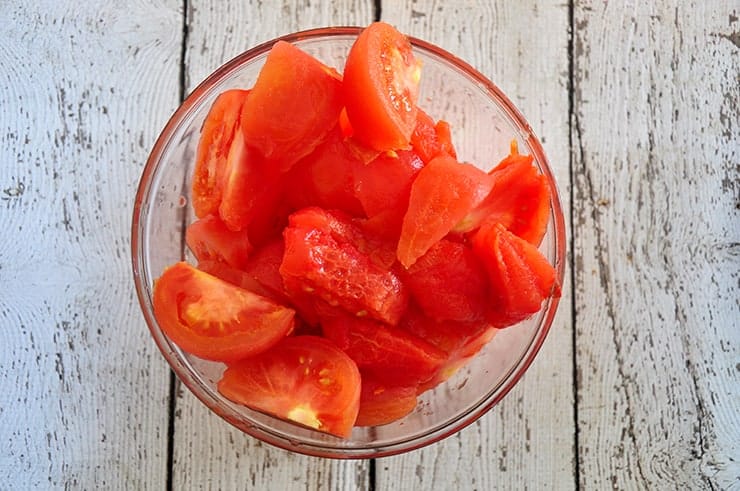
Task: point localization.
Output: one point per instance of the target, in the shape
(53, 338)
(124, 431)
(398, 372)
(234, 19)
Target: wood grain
(84, 391)
(216, 33)
(657, 244)
(528, 440)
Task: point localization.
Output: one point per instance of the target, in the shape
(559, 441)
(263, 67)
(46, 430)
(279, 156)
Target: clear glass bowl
(483, 121)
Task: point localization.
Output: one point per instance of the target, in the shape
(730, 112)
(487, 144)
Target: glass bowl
(483, 121)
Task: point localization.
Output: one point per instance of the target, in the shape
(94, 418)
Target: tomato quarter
(304, 379)
(216, 320)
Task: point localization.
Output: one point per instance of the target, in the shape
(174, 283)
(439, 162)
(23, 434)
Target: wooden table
(638, 384)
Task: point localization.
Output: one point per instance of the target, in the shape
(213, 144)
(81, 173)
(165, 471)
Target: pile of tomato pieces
(347, 262)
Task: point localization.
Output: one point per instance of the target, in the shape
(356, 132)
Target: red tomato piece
(251, 192)
(519, 275)
(213, 319)
(293, 105)
(385, 183)
(322, 256)
(325, 178)
(303, 379)
(431, 140)
(519, 200)
(449, 283)
(381, 404)
(442, 194)
(391, 355)
(216, 136)
(235, 277)
(381, 85)
(210, 239)
(459, 340)
(264, 266)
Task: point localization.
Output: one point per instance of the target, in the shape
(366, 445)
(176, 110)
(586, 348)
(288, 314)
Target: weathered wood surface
(83, 398)
(639, 106)
(657, 244)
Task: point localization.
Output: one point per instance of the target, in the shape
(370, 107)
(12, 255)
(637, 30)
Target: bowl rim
(423, 439)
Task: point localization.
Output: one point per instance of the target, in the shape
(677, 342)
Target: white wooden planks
(657, 233)
(208, 452)
(528, 440)
(84, 391)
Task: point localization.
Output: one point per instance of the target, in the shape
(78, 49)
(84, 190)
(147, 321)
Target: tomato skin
(291, 82)
(303, 379)
(381, 84)
(213, 319)
(210, 239)
(519, 200)
(519, 275)
(449, 283)
(391, 355)
(217, 133)
(322, 257)
(443, 193)
(236, 277)
(381, 404)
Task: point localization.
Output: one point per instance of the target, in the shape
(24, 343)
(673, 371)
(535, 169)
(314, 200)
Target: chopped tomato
(210, 239)
(391, 355)
(381, 404)
(449, 283)
(303, 379)
(459, 340)
(431, 140)
(519, 200)
(325, 178)
(320, 253)
(216, 320)
(383, 187)
(381, 85)
(519, 275)
(264, 266)
(443, 192)
(251, 190)
(294, 84)
(213, 148)
(235, 277)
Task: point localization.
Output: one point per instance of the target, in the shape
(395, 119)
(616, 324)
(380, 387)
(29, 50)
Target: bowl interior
(483, 122)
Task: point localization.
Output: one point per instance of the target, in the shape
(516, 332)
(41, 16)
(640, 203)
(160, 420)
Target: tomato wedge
(519, 199)
(443, 192)
(210, 239)
(213, 148)
(213, 319)
(293, 105)
(519, 275)
(392, 355)
(449, 283)
(381, 404)
(431, 140)
(303, 379)
(381, 85)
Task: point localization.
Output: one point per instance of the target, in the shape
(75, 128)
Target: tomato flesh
(431, 140)
(392, 355)
(217, 133)
(210, 239)
(303, 379)
(443, 192)
(519, 200)
(291, 82)
(321, 254)
(381, 84)
(519, 275)
(213, 319)
(449, 283)
(381, 404)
